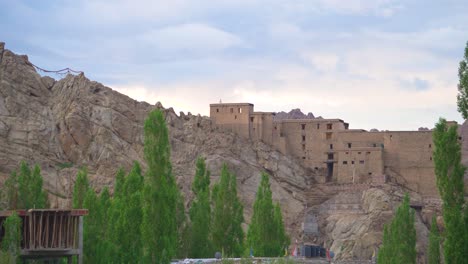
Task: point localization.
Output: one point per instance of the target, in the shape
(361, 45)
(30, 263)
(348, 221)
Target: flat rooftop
(231, 104)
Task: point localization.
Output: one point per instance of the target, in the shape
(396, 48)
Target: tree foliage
(80, 188)
(23, 189)
(227, 232)
(159, 228)
(128, 223)
(11, 241)
(266, 235)
(462, 97)
(434, 243)
(449, 173)
(399, 240)
(200, 213)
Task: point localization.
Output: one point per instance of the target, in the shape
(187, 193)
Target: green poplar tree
(449, 173)
(159, 227)
(80, 188)
(30, 192)
(200, 213)
(266, 235)
(91, 227)
(462, 97)
(11, 242)
(399, 240)
(228, 217)
(119, 182)
(130, 218)
(11, 191)
(434, 243)
(282, 240)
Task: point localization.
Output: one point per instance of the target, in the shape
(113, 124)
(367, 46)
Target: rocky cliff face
(293, 114)
(74, 122)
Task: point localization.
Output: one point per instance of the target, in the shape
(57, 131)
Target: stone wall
(328, 147)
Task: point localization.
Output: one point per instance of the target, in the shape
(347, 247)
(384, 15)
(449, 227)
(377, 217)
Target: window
(235, 117)
(370, 173)
(330, 156)
(240, 110)
(349, 145)
(368, 152)
(232, 110)
(352, 162)
(318, 126)
(275, 128)
(303, 126)
(430, 158)
(303, 146)
(251, 119)
(359, 152)
(328, 135)
(375, 145)
(361, 162)
(430, 145)
(303, 158)
(329, 126)
(217, 110)
(331, 146)
(303, 138)
(345, 162)
(347, 152)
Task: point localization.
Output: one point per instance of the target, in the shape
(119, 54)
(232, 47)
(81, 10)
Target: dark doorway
(329, 171)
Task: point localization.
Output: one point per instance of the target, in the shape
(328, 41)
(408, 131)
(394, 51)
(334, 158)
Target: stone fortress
(338, 154)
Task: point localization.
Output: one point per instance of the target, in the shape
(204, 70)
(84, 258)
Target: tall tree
(11, 191)
(462, 97)
(200, 213)
(159, 228)
(266, 236)
(434, 243)
(80, 188)
(11, 242)
(119, 182)
(92, 228)
(449, 173)
(227, 232)
(399, 240)
(127, 227)
(30, 192)
(283, 240)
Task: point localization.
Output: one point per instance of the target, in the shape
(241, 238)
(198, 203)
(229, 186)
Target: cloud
(191, 37)
(321, 61)
(380, 63)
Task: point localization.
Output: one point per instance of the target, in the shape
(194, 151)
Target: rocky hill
(74, 122)
(293, 114)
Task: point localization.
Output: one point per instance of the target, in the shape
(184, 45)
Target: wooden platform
(49, 233)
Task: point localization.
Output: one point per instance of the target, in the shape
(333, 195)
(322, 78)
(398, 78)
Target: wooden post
(80, 240)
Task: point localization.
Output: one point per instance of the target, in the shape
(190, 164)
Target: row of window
(329, 126)
(239, 110)
(352, 162)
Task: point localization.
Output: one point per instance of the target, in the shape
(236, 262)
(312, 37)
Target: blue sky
(374, 63)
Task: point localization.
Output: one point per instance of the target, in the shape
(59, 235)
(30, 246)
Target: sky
(373, 63)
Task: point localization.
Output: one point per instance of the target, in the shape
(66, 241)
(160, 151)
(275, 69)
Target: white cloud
(321, 61)
(193, 37)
